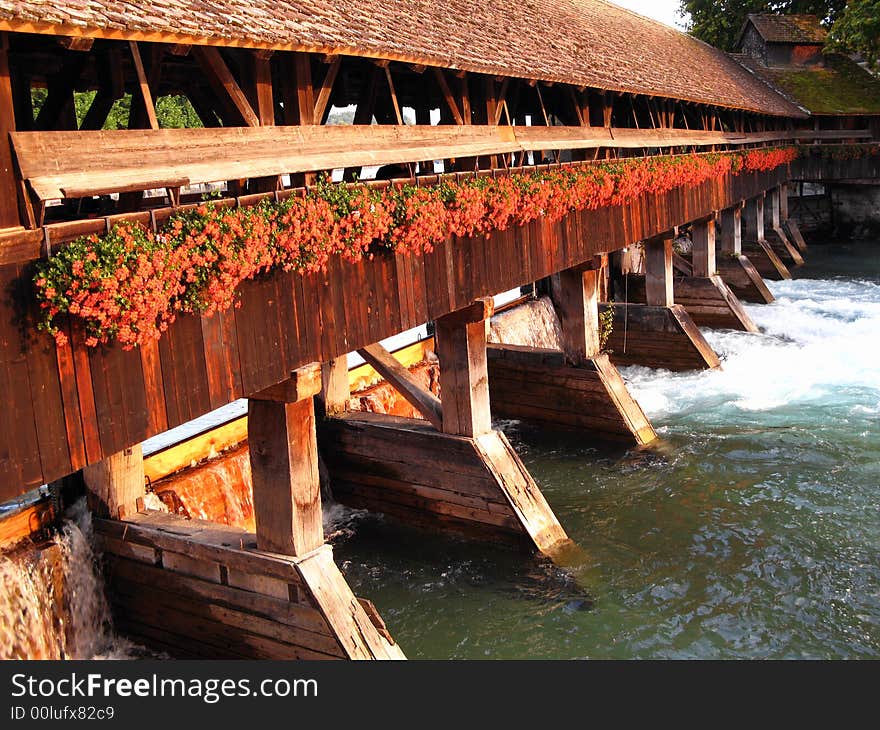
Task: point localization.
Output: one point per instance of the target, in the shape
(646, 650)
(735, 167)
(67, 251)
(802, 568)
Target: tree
(172, 112)
(718, 22)
(857, 30)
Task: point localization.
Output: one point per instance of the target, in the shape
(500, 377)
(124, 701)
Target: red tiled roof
(584, 42)
(788, 28)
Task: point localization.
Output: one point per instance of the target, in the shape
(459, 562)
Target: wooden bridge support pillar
(460, 343)
(731, 230)
(451, 470)
(660, 333)
(755, 245)
(776, 234)
(659, 290)
(116, 485)
(703, 237)
(576, 388)
(788, 225)
(705, 296)
(735, 268)
(284, 465)
(202, 590)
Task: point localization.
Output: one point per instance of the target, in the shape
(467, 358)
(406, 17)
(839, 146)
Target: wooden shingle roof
(583, 42)
(799, 29)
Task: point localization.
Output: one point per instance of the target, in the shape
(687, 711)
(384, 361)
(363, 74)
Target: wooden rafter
(326, 89)
(144, 85)
(394, 103)
(447, 95)
(223, 83)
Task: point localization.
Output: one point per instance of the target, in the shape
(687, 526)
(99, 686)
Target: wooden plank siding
(73, 404)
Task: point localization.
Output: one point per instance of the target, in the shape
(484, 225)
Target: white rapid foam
(819, 344)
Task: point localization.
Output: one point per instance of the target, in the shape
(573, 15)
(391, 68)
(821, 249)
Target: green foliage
(857, 30)
(172, 112)
(718, 22)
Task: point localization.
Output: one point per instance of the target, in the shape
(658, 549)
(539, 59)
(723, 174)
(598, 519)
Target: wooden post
(783, 201)
(116, 484)
(703, 235)
(575, 294)
(731, 230)
(8, 188)
(265, 102)
(772, 210)
(284, 465)
(335, 389)
(305, 92)
(658, 271)
(460, 341)
(754, 219)
(144, 86)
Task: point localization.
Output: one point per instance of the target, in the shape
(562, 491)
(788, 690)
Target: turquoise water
(751, 530)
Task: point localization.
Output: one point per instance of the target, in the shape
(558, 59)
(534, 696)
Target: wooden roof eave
(154, 36)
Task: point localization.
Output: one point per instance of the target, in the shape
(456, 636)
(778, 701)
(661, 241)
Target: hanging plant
(129, 284)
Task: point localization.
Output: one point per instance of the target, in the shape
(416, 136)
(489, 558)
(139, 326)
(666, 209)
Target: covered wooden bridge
(435, 95)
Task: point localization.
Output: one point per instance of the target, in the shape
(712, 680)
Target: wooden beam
(9, 216)
(464, 383)
(658, 271)
(703, 237)
(76, 43)
(389, 368)
(223, 83)
(335, 387)
(305, 92)
(575, 297)
(326, 89)
(395, 105)
(576, 106)
(783, 201)
(116, 483)
(263, 88)
(754, 219)
(501, 104)
(447, 95)
(146, 94)
(465, 97)
(303, 383)
(731, 230)
(284, 467)
(772, 210)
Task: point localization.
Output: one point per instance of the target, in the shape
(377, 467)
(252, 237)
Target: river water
(751, 530)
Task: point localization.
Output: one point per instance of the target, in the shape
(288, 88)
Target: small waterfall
(52, 605)
(532, 324)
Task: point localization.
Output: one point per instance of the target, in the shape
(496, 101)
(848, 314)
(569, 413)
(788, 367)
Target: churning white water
(819, 345)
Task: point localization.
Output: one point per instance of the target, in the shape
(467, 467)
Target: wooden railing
(58, 165)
